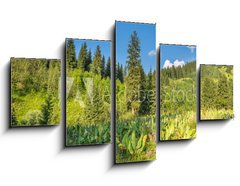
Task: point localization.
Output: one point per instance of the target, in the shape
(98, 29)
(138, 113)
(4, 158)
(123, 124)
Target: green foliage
(70, 54)
(46, 111)
(88, 100)
(14, 120)
(91, 134)
(136, 139)
(97, 60)
(32, 80)
(133, 78)
(178, 102)
(216, 92)
(82, 58)
(108, 68)
(178, 126)
(136, 107)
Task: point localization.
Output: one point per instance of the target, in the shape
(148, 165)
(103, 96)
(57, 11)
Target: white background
(38, 29)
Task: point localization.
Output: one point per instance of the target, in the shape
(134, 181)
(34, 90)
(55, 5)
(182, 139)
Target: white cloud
(152, 53)
(176, 63)
(192, 48)
(167, 64)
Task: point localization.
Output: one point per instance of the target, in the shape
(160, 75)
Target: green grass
(135, 140)
(213, 114)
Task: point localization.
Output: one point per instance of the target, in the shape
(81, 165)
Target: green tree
(103, 67)
(108, 68)
(14, 120)
(133, 79)
(82, 57)
(46, 111)
(88, 60)
(223, 100)
(97, 59)
(71, 54)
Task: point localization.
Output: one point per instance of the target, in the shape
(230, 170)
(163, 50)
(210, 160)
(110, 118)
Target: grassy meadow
(88, 92)
(216, 98)
(35, 92)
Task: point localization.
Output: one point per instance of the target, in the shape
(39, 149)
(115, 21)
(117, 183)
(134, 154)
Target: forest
(216, 96)
(178, 102)
(135, 107)
(88, 94)
(35, 92)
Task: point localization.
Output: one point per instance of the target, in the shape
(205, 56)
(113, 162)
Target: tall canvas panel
(35, 92)
(88, 93)
(177, 92)
(216, 92)
(135, 92)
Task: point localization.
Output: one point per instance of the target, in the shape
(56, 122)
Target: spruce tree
(223, 93)
(82, 57)
(133, 79)
(88, 60)
(71, 54)
(108, 68)
(103, 66)
(152, 96)
(96, 68)
(46, 111)
(14, 120)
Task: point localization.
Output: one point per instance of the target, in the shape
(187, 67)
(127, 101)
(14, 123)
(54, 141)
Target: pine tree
(152, 96)
(88, 60)
(103, 67)
(144, 102)
(223, 93)
(208, 98)
(46, 111)
(108, 68)
(71, 54)
(133, 79)
(82, 57)
(14, 120)
(96, 68)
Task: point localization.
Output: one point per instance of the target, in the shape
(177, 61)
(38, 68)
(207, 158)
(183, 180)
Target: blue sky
(180, 53)
(92, 44)
(147, 36)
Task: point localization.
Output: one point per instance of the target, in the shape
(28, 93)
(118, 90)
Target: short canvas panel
(88, 80)
(177, 92)
(216, 92)
(35, 92)
(135, 72)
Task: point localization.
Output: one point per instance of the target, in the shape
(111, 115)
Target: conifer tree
(82, 57)
(96, 67)
(223, 93)
(133, 79)
(88, 60)
(108, 68)
(14, 120)
(46, 111)
(103, 66)
(71, 54)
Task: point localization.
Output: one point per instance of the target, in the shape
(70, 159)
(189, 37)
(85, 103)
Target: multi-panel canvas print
(35, 86)
(135, 71)
(88, 92)
(216, 92)
(177, 92)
